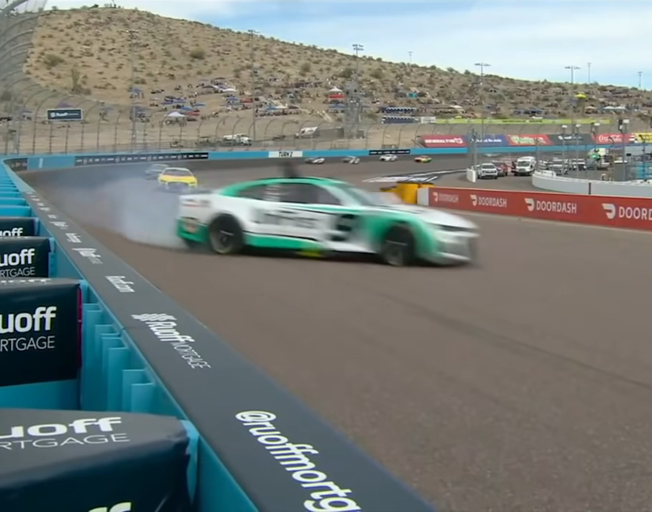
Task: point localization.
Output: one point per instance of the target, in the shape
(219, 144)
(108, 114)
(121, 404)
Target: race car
(322, 217)
(351, 160)
(177, 179)
(315, 160)
(423, 159)
(153, 171)
(388, 158)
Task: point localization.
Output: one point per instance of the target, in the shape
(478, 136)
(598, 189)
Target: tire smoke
(119, 200)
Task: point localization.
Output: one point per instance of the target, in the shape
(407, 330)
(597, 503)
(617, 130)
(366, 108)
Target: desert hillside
(89, 52)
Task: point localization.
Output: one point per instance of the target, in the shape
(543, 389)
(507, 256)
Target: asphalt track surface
(520, 385)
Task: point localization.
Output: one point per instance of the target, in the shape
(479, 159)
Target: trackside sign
(617, 212)
(84, 461)
(39, 331)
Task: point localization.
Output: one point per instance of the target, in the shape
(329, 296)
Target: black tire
(398, 247)
(225, 236)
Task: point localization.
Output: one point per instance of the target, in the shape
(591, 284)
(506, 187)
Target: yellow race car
(423, 159)
(177, 178)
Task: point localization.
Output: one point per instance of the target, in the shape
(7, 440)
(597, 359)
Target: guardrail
(547, 180)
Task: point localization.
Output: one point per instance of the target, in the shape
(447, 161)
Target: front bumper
(456, 248)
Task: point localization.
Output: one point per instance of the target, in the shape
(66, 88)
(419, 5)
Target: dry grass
(87, 51)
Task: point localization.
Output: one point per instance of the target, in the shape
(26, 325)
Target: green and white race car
(322, 216)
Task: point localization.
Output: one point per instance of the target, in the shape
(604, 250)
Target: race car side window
(305, 193)
(254, 192)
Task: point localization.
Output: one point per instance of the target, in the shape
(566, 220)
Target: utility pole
(588, 73)
(640, 80)
(410, 58)
(572, 70)
(132, 90)
(482, 65)
(353, 95)
(252, 36)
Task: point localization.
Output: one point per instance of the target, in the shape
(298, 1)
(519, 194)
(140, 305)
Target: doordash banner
(617, 212)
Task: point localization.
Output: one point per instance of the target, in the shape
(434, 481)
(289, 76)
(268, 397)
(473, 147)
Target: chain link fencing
(110, 130)
(25, 128)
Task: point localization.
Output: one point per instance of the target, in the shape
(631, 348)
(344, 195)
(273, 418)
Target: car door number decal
(345, 226)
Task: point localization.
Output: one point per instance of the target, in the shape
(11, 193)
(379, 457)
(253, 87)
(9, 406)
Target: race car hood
(433, 216)
(178, 179)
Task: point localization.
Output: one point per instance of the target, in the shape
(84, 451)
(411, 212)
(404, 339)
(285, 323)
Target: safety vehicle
(487, 171)
(351, 160)
(322, 217)
(177, 179)
(423, 159)
(315, 160)
(154, 170)
(388, 158)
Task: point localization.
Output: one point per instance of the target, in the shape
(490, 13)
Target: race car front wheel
(398, 248)
(226, 236)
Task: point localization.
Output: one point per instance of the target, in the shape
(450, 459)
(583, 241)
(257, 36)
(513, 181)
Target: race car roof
(313, 180)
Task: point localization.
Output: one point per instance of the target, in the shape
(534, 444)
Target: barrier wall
(547, 180)
(607, 211)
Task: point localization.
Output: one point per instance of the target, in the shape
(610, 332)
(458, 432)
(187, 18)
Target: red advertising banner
(529, 140)
(617, 212)
(443, 141)
(604, 139)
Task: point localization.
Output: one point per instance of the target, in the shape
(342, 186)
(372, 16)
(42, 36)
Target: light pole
(563, 148)
(588, 73)
(576, 141)
(482, 65)
(132, 90)
(624, 131)
(474, 150)
(252, 35)
(572, 70)
(595, 131)
(353, 104)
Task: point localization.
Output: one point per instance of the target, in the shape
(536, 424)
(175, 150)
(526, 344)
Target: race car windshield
(177, 172)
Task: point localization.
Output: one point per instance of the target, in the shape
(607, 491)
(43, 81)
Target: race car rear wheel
(399, 247)
(225, 235)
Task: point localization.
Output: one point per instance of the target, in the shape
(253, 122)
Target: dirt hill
(89, 51)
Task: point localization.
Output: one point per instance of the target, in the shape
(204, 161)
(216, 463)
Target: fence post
(25, 103)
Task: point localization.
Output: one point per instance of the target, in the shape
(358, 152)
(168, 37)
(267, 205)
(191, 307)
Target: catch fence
(105, 130)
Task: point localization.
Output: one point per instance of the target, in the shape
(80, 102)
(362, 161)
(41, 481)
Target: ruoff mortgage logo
(538, 205)
(121, 284)
(165, 328)
(80, 432)
(15, 231)
(614, 212)
(28, 331)
(24, 257)
(118, 507)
